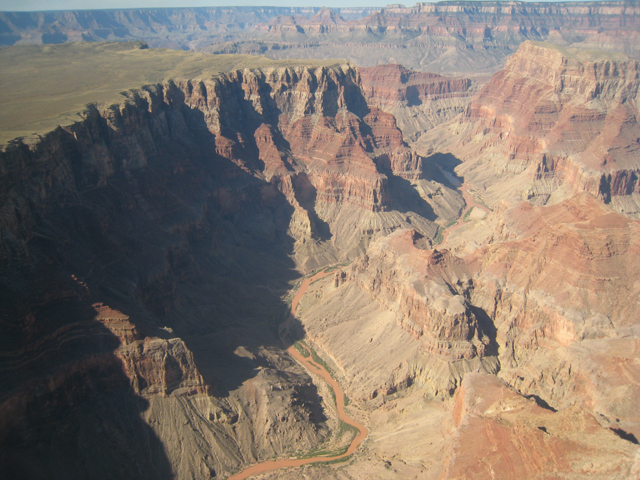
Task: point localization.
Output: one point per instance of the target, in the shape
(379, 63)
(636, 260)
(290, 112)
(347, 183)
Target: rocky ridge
(418, 101)
(316, 139)
(540, 291)
(543, 305)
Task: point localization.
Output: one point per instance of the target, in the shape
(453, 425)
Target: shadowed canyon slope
(438, 37)
(146, 251)
(149, 247)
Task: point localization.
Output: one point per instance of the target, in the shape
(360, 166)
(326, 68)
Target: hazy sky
(24, 5)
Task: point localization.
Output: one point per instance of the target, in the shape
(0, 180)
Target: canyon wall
(553, 117)
(545, 310)
(115, 230)
(418, 101)
(527, 310)
(146, 250)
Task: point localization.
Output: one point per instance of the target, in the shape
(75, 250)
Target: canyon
(479, 236)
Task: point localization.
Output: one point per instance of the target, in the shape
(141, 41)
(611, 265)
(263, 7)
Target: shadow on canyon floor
(306, 195)
(488, 329)
(405, 198)
(441, 168)
(215, 279)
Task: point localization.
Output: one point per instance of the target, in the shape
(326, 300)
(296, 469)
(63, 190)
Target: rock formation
(580, 131)
(418, 101)
(420, 300)
(341, 163)
(541, 291)
(495, 432)
(110, 245)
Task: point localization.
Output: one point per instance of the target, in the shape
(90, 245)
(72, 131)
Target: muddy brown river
(318, 369)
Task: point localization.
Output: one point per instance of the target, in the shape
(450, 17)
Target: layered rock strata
(145, 251)
(406, 312)
(418, 101)
(111, 243)
(341, 162)
(494, 433)
(552, 117)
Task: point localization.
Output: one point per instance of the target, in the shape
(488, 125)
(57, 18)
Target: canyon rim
(466, 175)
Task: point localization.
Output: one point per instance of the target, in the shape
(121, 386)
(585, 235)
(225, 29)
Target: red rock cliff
(567, 114)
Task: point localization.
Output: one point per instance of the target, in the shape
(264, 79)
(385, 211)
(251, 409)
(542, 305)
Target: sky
(31, 5)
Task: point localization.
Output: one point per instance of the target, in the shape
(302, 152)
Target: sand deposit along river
(471, 203)
(318, 369)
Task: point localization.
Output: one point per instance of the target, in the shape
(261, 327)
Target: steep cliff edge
(340, 161)
(133, 258)
(145, 253)
(546, 302)
(540, 291)
(418, 101)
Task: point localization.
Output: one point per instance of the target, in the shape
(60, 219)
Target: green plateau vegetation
(43, 86)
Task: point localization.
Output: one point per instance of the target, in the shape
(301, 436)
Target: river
(307, 362)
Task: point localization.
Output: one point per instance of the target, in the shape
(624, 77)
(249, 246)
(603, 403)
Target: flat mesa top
(43, 86)
(585, 55)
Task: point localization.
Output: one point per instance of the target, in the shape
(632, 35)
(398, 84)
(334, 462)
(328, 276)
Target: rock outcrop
(418, 101)
(582, 125)
(155, 366)
(406, 310)
(542, 302)
(430, 301)
(390, 85)
(495, 432)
